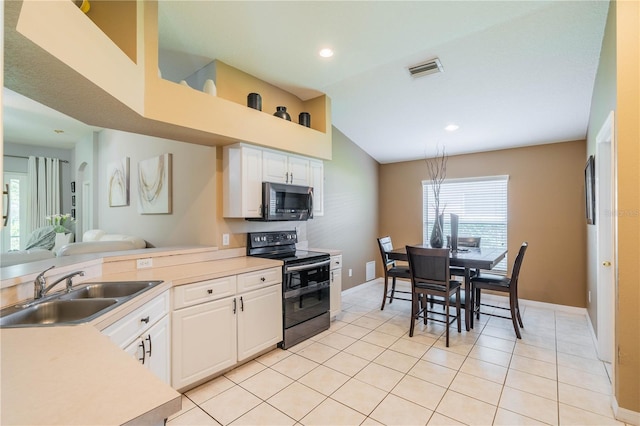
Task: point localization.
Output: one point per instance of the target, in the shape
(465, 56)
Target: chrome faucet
(39, 284)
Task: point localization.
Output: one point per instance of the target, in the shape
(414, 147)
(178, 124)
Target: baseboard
(624, 415)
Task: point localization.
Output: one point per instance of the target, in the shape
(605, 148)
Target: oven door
(301, 276)
(305, 303)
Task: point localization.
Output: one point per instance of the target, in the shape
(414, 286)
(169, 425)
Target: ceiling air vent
(432, 66)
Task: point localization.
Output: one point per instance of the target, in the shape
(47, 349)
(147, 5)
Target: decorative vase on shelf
(304, 119)
(210, 87)
(254, 100)
(281, 112)
(437, 238)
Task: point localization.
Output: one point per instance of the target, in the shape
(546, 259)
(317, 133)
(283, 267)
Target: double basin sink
(81, 304)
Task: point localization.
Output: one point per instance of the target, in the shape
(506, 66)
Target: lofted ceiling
(516, 73)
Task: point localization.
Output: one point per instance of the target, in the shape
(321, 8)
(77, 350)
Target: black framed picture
(589, 189)
(73, 200)
(73, 187)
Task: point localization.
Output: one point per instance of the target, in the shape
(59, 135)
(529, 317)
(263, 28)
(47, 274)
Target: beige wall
(546, 209)
(627, 365)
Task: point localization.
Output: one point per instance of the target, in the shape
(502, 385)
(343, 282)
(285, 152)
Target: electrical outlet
(225, 239)
(144, 263)
(350, 272)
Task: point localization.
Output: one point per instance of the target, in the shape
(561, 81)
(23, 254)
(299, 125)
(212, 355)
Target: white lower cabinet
(211, 336)
(145, 335)
(153, 348)
(259, 321)
(335, 299)
(204, 341)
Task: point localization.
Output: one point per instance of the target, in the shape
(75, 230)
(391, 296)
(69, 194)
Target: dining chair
(430, 277)
(391, 270)
(500, 283)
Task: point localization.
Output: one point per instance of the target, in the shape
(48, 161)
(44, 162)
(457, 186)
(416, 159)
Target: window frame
(500, 211)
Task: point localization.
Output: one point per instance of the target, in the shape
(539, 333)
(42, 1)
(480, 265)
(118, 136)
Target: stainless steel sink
(81, 305)
(57, 311)
(116, 289)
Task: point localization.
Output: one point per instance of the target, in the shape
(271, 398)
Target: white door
(274, 167)
(157, 345)
(299, 171)
(605, 239)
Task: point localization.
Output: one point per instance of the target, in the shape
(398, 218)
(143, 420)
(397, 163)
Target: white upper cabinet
(283, 168)
(245, 167)
(242, 181)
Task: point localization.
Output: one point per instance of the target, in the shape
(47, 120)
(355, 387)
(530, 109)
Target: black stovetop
(280, 245)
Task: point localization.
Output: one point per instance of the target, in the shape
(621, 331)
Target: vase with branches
(437, 170)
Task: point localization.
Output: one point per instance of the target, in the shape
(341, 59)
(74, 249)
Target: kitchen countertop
(108, 386)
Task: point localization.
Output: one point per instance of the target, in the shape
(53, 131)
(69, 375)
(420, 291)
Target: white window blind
(480, 203)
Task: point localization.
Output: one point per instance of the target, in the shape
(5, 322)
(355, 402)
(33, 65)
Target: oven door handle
(309, 266)
(291, 294)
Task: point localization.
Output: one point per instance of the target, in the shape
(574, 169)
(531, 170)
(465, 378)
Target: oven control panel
(271, 239)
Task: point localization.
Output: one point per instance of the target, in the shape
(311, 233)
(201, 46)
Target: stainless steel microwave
(286, 202)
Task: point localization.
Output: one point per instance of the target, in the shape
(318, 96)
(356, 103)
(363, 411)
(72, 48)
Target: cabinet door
(274, 167)
(152, 350)
(251, 182)
(158, 346)
(259, 320)
(335, 300)
(203, 341)
(299, 171)
(316, 180)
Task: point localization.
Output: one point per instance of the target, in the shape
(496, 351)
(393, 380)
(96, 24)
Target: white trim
(473, 179)
(624, 415)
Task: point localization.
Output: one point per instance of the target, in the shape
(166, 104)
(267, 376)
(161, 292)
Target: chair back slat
(385, 245)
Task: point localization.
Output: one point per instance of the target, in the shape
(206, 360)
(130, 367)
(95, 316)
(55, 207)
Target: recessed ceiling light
(326, 52)
(452, 127)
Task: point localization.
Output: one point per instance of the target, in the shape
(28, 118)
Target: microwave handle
(311, 204)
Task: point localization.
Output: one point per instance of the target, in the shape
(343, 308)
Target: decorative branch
(437, 169)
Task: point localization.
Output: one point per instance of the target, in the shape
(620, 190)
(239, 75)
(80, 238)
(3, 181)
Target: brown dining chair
(500, 283)
(391, 270)
(431, 278)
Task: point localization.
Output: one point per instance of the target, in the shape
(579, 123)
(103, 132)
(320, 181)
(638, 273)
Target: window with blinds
(480, 203)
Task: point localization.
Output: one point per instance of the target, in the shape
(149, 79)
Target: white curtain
(44, 191)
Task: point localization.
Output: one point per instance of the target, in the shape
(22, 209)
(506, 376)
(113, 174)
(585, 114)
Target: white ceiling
(516, 73)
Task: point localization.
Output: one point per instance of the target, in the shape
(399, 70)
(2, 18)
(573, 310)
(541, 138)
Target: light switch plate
(225, 239)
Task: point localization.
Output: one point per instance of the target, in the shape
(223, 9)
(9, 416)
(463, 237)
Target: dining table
(468, 258)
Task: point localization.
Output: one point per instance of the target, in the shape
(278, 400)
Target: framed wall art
(154, 185)
(589, 189)
(118, 181)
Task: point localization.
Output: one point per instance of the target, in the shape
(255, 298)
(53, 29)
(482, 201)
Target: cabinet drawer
(258, 279)
(336, 261)
(203, 291)
(125, 330)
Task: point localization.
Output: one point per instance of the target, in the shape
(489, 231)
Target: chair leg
(513, 306)
(458, 311)
(414, 310)
(446, 331)
(518, 312)
(384, 294)
(476, 300)
(393, 289)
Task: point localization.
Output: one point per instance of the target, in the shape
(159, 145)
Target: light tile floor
(367, 370)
